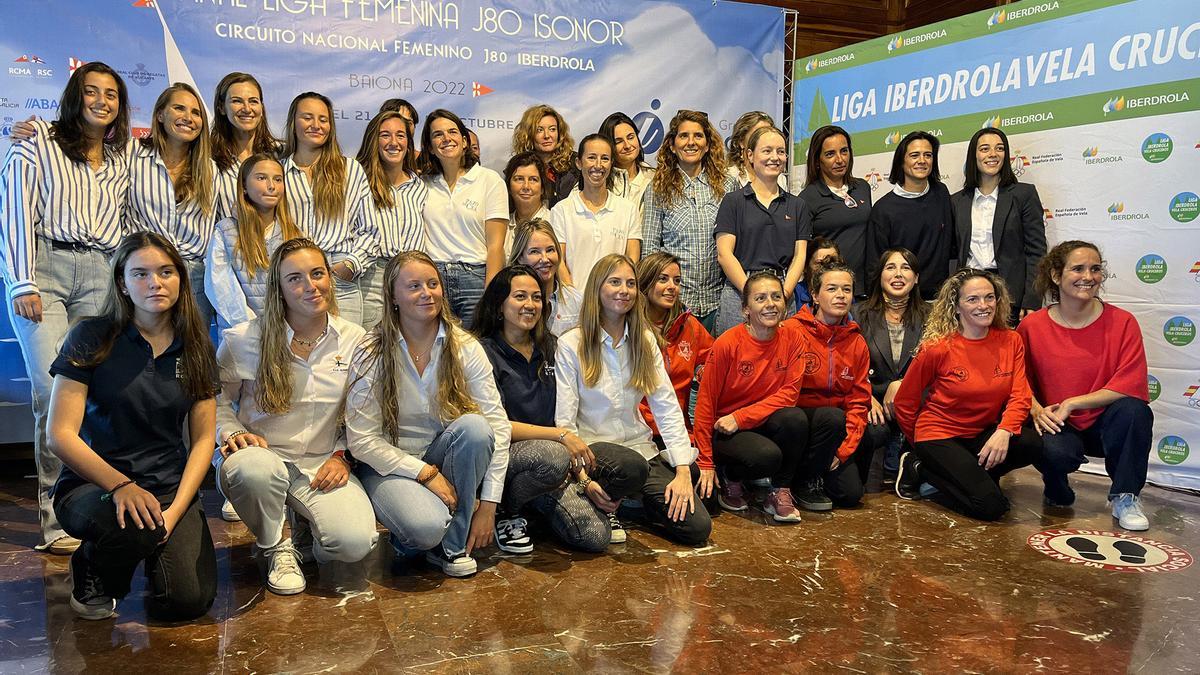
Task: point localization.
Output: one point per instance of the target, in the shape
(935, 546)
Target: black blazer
(1018, 237)
(884, 370)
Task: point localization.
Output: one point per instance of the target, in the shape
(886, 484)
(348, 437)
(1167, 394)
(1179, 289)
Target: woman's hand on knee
(238, 441)
(726, 425)
(679, 495)
(483, 523)
(441, 487)
(333, 474)
(875, 414)
(995, 450)
(581, 454)
(1051, 419)
(600, 498)
(708, 482)
(138, 506)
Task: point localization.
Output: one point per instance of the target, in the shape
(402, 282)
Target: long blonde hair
(274, 373)
(195, 184)
(329, 171)
(644, 341)
(368, 157)
(943, 314)
(382, 346)
(251, 227)
(667, 186)
(560, 159)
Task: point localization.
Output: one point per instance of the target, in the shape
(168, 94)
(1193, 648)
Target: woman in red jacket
(835, 392)
(965, 398)
(745, 414)
(685, 342)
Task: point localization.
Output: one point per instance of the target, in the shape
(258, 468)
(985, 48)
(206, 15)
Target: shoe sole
(519, 549)
(1123, 526)
(62, 550)
(782, 519)
(448, 569)
(90, 613)
(900, 481)
(727, 507)
(809, 506)
(286, 591)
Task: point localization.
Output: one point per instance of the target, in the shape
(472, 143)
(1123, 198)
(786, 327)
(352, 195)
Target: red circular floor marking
(1118, 551)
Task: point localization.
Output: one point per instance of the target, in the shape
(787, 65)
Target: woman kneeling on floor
(425, 422)
(283, 376)
(965, 398)
(124, 383)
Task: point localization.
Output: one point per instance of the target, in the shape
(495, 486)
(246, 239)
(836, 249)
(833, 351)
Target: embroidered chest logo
(846, 374)
(746, 368)
(811, 362)
(178, 369)
(779, 367)
(1001, 373)
(471, 204)
(548, 369)
(685, 350)
(959, 374)
(340, 365)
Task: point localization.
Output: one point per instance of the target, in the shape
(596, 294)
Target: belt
(769, 270)
(76, 246)
(455, 263)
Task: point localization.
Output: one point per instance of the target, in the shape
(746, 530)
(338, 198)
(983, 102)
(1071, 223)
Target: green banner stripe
(1129, 103)
(965, 27)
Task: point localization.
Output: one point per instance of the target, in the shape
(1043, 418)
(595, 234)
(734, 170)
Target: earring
(395, 308)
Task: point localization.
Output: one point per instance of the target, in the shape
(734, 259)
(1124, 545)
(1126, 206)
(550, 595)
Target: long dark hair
(813, 162)
(917, 309)
(198, 363)
(221, 139)
(971, 165)
(431, 165)
(68, 130)
(489, 313)
(608, 129)
(896, 176)
(368, 158)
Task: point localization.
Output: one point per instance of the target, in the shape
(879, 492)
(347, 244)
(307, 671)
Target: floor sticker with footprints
(1118, 551)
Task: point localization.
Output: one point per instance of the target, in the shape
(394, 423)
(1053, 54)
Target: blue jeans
(1122, 434)
(419, 519)
(371, 283)
(72, 283)
(463, 284)
(349, 296)
(195, 270)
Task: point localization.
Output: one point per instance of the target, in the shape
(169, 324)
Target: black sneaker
(512, 535)
(1058, 492)
(908, 481)
(812, 496)
(87, 594)
(617, 530)
(460, 565)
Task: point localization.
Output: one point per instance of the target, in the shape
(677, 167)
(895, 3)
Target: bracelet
(563, 435)
(583, 485)
(431, 476)
(109, 495)
(233, 434)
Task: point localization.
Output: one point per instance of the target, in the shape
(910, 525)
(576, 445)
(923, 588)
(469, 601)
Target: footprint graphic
(1131, 552)
(1086, 548)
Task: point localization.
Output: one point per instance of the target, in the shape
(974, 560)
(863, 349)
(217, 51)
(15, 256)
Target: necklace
(1087, 319)
(418, 357)
(313, 342)
(895, 304)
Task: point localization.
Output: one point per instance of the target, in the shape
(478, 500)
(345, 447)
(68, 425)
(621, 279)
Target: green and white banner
(1101, 102)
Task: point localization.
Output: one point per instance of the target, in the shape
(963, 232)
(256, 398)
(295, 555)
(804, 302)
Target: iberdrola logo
(996, 18)
(892, 138)
(1092, 151)
(810, 66)
(896, 43)
(1114, 105)
(1116, 207)
(993, 122)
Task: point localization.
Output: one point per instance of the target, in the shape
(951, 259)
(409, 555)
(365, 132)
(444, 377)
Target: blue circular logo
(650, 128)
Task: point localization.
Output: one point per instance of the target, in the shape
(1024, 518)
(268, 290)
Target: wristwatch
(583, 483)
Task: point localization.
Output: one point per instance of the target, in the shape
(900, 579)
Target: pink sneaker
(779, 504)
(732, 496)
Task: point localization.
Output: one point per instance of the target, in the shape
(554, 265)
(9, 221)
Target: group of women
(400, 344)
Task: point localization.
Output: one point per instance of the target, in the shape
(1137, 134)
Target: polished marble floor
(891, 587)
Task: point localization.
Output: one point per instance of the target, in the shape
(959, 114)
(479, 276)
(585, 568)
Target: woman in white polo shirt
(466, 212)
(594, 222)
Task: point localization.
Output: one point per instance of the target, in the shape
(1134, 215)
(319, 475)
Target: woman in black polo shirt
(512, 327)
(839, 203)
(760, 227)
(124, 382)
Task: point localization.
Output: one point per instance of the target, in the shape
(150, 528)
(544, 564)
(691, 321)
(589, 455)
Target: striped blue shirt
(225, 194)
(402, 227)
(43, 194)
(349, 236)
(151, 206)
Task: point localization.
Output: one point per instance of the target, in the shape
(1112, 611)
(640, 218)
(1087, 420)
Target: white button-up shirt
(609, 411)
(419, 423)
(564, 309)
(44, 194)
(983, 213)
(454, 220)
(310, 432)
(633, 190)
(587, 236)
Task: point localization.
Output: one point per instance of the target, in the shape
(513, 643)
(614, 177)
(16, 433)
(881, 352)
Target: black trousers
(952, 466)
(695, 527)
(182, 571)
(845, 485)
(770, 450)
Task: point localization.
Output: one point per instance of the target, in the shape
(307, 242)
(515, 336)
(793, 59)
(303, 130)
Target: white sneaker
(228, 514)
(616, 530)
(283, 568)
(1127, 509)
(64, 545)
(459, 565)
(512, 535)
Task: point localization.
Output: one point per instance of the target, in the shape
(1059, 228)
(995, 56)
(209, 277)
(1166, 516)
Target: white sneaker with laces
(228, 514)
(616, 529)
(283, 568)
(512, 535)
(1127, 509)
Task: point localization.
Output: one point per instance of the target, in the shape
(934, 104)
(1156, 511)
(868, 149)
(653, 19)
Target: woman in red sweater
(745, 414)
(970, 371)
(1101, 401)
(835, 394)
(685, 342)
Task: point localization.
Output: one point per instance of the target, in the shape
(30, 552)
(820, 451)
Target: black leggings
(769, 450)
(952, 466)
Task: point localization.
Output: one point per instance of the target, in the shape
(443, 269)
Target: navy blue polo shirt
(136, 406)
(766, 237)
(526, 386)
(846, 225)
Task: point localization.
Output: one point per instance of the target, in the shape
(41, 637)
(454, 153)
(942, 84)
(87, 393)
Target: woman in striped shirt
(239, 130)
(394, 210)
(171, 183)
(327, 194)
(61, 195)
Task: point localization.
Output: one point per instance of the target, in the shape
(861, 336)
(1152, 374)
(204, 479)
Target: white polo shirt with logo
(454, 221)
(589, 236)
